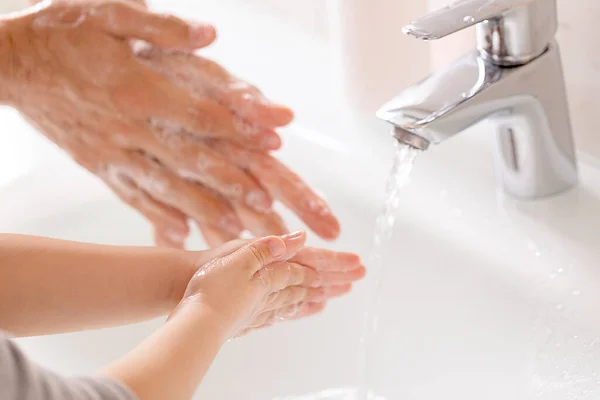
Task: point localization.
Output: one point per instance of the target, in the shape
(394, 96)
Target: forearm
(50, 286)
(173, 361)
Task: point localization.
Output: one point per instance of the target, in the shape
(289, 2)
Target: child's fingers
(281, 275)
(299, 294)
(294, 295)
(335, 278)
(309, 309)
(293, 312)
(295, 242)
(256, 255)
(327, 260)
(280, 314)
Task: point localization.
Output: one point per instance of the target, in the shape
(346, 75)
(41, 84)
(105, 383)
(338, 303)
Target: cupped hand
(253, 284)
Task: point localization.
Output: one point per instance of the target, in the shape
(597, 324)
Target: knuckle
(284, 296)
(301, 294)
(272, 298)
(315, 279)
(174, 29)
(287, 312)
(117, 6)
(267, 319)
(318, 294)
(264, 277)
(206, 122)
(258, 256)
(258, 287)
(174, 22)
(110, 9)
(299, 275)
(123, 97)
(260, 319)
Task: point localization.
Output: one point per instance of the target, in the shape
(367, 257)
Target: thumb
(259, 253)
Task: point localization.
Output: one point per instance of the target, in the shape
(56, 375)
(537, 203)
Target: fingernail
(276, 247)
(272, 142)
(293, 235)
(203, 34)
(280, 114)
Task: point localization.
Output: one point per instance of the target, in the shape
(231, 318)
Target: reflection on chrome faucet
(514, 80)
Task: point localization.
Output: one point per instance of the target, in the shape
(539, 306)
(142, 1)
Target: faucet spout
(410, 139)
(525, 105)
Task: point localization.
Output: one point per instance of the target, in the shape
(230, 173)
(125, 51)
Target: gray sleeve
(21, 379)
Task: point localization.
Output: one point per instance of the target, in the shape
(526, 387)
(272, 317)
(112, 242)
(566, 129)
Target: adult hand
(75, 76)
(204, 77)
(253, 284)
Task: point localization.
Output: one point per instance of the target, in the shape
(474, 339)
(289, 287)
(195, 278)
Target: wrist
(194, 312)
(182, 268)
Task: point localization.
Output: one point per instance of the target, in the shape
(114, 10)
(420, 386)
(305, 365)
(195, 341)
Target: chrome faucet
(514, 80)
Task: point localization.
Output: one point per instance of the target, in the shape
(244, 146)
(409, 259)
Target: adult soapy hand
(173, 134)
(253, 284)
(204, 77)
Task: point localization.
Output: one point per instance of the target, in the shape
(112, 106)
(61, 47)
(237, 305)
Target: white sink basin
(483, 297)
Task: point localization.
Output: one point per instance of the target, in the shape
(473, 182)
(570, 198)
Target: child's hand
(255, 283)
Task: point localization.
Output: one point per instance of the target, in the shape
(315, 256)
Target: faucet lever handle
(509, 32)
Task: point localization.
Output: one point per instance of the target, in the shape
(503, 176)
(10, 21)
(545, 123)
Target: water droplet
(552, 276)
(560, 270)
(469, 19)
(559, 307)
(464, 95)
(576, 292)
